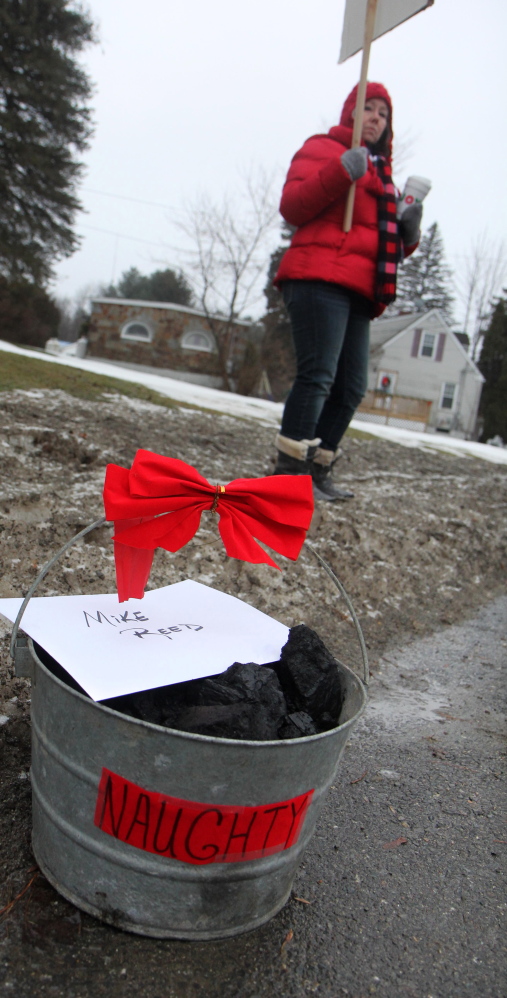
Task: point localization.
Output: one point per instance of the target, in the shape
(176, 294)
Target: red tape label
(196, 833)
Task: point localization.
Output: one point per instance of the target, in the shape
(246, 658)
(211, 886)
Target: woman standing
(334, 282)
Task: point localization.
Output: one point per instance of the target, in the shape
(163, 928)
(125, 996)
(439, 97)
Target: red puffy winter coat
(314, 199)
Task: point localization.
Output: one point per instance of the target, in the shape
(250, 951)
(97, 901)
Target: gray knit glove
(410, 224)
(355, 162)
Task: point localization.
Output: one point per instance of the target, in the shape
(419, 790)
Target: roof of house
(382, 330)
(140, 303)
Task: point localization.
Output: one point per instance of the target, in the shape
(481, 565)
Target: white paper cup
(416, 189)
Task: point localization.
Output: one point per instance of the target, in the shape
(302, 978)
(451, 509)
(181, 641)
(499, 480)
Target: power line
(134, 239)
(119, 235)
(123, 197)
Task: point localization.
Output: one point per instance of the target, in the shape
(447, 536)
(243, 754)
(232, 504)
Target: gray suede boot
(295, 456)
(321, 470)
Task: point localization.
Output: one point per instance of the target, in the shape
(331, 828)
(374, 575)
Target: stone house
(421, 377)
(170, 339)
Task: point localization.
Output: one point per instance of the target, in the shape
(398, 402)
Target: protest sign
(389, 13)
(365, 20)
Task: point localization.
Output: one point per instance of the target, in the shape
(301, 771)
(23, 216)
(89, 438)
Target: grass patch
(360, 434)
(25, 373)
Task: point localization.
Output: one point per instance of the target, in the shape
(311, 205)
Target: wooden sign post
(364, 21)
(369, 28)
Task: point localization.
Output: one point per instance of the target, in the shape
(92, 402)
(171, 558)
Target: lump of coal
(298, 696)
(161, 705)
(297, 725)
(246, 701)
(309, 677)
(223, 721)
(250, 683)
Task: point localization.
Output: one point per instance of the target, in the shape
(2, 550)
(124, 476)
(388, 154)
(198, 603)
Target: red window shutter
(440, 346)
(416, 342)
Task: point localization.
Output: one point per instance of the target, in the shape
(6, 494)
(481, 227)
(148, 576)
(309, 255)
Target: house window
(139, 331)
(428, 344)
(448, 396)
(198, 339)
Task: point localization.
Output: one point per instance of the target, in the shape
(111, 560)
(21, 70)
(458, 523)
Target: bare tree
(74, 312)
(482, 275)
(230, 246)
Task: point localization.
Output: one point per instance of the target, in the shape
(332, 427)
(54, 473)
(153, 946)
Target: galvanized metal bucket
(96, 773)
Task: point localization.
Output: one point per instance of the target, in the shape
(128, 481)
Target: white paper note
(180, 632)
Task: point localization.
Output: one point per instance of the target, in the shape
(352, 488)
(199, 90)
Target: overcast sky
(190, 95)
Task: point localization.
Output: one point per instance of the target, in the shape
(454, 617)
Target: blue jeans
(331, 330)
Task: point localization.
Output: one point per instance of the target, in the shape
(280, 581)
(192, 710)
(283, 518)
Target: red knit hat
(372, 90)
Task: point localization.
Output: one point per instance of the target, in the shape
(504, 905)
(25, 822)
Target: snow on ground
(268, 413)
(434, 441)
(181, 391)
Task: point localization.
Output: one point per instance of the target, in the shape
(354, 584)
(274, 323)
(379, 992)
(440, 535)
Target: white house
(420, 373)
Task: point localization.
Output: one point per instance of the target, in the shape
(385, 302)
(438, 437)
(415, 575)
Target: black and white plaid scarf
(389, 245)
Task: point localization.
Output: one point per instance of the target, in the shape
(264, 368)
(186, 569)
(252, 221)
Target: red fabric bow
(158, 503)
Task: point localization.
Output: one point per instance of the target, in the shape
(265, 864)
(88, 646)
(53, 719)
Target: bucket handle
(102, 520)
(343, 592)
(43, 572)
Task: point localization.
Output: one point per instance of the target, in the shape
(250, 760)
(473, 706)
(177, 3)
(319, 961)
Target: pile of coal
(297, 696)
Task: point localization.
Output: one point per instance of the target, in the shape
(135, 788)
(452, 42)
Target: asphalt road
(401, 891)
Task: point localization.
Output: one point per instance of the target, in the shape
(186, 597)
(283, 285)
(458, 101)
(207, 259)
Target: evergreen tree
(493, 365)
(27, 314)
(424, 279)
(161, 285)
(167, 285)
(44, 122)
